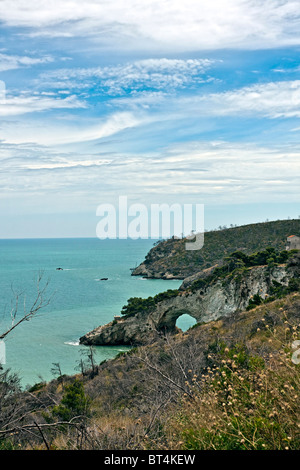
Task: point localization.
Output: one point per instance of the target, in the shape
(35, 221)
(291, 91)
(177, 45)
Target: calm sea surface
(80, 301)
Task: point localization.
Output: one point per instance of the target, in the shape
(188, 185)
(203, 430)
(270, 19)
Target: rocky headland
(241, 282)
(169, 259)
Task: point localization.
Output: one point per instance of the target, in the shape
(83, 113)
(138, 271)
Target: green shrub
(137, 305)
(74, 402)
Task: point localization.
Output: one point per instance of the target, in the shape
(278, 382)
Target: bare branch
(39, 303)
(166, 377)
(27, 427)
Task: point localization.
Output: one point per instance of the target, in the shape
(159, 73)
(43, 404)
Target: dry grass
(242, 402)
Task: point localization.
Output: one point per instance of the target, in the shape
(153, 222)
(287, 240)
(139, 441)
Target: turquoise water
(80, 301)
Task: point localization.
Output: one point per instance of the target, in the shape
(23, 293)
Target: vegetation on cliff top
(139, 305)
(238, 263)
(170, 256)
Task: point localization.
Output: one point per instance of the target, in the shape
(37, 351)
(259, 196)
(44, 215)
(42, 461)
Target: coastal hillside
(230, 384)
(169, 259)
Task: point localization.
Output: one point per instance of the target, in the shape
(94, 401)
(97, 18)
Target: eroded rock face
(135, 330)
(146, 272)
(204, 274)
(220, 298)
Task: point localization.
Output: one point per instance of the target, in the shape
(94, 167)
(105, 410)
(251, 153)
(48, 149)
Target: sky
(194, 102)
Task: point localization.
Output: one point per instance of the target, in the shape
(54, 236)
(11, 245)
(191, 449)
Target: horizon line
(219, 229)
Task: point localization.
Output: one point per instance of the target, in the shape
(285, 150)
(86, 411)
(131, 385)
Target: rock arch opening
(185, 321)
(172, 320)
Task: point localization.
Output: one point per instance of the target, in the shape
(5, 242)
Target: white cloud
(55, 135)
(10, 62)
(164, 24)
(157, 74)
(105, 127)
(272, 100)
(201, 172)
(269, 100)
(63, 164)
(26, 103)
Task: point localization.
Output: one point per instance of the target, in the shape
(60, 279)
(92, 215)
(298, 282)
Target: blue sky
(162, 101)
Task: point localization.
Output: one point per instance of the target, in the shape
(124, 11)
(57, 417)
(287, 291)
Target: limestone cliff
(209, 299)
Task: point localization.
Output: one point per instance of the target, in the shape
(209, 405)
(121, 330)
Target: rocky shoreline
(205, 302)
(202, 294)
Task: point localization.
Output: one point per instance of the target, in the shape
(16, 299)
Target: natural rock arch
(218, 299)
(168, 321)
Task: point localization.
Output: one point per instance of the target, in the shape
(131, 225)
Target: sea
(76, 299)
